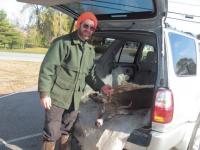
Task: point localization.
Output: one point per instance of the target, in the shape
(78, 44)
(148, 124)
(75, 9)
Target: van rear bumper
(158, 140)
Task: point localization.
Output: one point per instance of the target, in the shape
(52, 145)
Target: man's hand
(107, 90)
(46, 102)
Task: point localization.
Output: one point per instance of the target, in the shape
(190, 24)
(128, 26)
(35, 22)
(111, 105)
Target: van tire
(194, 143)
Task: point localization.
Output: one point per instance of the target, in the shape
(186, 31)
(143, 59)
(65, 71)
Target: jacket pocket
(64, 83)
(61, 95)
(70, 67)
(62, 90)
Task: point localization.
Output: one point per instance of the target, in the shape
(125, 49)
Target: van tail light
(163, 107)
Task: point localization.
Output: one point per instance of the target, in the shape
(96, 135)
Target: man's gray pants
(58, 121)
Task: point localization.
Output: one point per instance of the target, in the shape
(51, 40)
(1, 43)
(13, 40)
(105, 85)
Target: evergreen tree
(10, 37)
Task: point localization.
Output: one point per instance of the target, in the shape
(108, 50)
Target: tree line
(44, 25)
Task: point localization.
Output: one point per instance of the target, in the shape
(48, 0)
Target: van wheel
(195, 138)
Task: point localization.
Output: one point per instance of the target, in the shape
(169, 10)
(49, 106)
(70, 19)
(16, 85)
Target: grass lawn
(18, 75)
(26, 50)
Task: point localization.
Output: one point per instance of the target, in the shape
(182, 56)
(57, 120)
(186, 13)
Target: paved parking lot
(21, 121)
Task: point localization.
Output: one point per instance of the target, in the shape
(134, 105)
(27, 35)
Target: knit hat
(86, 15)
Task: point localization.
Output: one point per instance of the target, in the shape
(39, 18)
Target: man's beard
(85, 35)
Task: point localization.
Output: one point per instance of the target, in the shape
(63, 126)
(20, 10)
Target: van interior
(127, 62)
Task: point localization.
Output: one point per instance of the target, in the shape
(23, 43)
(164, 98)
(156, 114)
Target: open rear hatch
(114, 14)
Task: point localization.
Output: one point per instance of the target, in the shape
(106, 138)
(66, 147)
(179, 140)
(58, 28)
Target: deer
(125, 99)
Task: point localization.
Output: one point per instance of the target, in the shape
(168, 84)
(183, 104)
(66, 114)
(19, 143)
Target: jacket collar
(74, 38)
(77, 41)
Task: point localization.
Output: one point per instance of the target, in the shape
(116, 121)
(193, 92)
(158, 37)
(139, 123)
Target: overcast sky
(13, 8)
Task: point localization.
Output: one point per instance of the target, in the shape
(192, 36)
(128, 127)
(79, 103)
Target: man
(66, 68)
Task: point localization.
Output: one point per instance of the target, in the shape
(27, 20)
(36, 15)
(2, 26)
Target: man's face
(86, 29)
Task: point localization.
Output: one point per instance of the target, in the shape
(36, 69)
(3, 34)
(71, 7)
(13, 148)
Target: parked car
(153, 54)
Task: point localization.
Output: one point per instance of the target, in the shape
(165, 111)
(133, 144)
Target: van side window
(183, 54)
(127, 52)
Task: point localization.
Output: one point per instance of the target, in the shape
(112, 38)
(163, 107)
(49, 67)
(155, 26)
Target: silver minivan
(132, 37)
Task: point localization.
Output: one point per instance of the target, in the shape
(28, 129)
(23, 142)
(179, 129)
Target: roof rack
(183, 17)
(167, 25)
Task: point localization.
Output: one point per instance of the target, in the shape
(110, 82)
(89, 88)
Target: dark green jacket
(66, 68)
